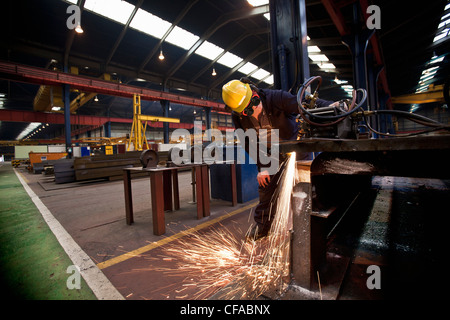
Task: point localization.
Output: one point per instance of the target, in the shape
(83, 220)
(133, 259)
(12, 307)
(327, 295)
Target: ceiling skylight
(313, 49)
(318, 57)
(144, 21)
(436, 59)
(182, 38)
(443, 31)
(209, 50)
(326, 66)
(442, 34)
(260, 74)
(269, 80)
(230, 60)
(116, 10)
(257, 3)
(429, 73)
(248, 68)
(148, 23)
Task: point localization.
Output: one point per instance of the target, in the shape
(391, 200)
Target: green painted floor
(33, 265)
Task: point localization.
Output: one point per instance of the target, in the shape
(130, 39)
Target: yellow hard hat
(236, 95)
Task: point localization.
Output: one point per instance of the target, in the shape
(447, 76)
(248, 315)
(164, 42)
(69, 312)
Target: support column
(208, 122)
(289, 43)
(357, 43)
(373, 72)
(108, 130)
(68, 132)
(165, 107)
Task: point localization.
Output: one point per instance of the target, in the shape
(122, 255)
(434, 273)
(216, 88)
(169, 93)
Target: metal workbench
(165, 193)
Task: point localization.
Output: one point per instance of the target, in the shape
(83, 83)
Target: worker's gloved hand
(263, 178)
(342, 104)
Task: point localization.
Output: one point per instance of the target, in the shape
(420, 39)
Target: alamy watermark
(75, 16)
(74, 280)
(374, 20)
(374, 280)
(262, 146)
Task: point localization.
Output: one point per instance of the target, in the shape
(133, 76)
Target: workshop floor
(399, 228)
(93, 213)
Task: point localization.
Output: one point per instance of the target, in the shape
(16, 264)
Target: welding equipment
(331, 121)
(343, 121)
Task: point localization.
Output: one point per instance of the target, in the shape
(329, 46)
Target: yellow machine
(137, 135)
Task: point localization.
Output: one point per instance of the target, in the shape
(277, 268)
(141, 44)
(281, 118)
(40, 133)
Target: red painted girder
(40, 76)
(58, 118)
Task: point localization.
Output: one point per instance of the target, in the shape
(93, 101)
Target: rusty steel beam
(34, 75)
(58, 118)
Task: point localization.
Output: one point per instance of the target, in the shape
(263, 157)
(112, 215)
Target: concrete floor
(399, 228)
(93, 213)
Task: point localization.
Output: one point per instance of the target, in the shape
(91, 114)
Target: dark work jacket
(281, 109)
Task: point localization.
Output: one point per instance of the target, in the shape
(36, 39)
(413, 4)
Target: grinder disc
(149, 158)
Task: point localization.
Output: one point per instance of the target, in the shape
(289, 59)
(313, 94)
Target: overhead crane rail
(27, 74)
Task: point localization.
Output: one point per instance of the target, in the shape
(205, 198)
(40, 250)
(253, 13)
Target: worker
(256, 108)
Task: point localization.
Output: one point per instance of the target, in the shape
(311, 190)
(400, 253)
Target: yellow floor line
(139, 251)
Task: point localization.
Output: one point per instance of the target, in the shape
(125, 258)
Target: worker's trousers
(266, 209)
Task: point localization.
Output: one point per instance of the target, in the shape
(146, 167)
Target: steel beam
(433, 94)
(209, 66)
(222, 21)
(27, 74)
(123, 32)
(58, 118)
(330, 145)
(260, 50)
(163, 38)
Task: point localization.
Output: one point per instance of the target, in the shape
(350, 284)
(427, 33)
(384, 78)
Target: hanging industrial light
(78, 29)
(214, 73)
(96, 99)
(161, 55)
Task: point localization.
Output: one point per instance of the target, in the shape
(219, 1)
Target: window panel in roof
(327, 66)
(257, 3)
(230, 60)
(116, 10)
(318, 57)
(269, 80)
(182, 38)
(150, 24)
(260, 74)
(248, 68)
(209, 50)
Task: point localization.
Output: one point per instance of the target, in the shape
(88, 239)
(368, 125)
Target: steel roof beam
(123, 32)
(156, 48)
(231, 46)
(222, 21)
(262, 49)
